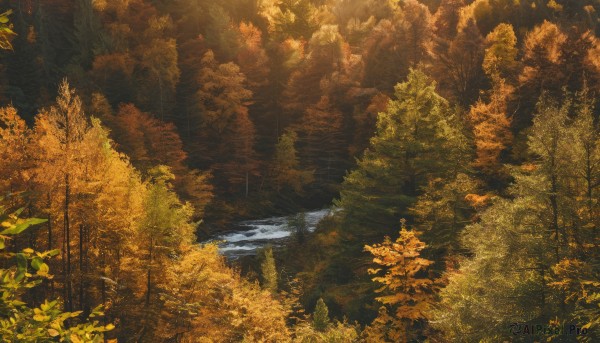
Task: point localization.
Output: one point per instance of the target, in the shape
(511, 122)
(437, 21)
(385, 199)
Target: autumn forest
(432, 166)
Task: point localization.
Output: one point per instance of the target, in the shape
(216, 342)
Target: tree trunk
(68, 284)
(149, 275)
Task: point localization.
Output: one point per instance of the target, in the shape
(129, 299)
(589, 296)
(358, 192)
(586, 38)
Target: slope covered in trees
(131, 130)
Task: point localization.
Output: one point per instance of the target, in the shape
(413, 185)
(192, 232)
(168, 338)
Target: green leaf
(52, 252)
(36, 263)
(21, 262)
(17, 229)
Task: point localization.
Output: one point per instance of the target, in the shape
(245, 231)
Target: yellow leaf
(52, 332)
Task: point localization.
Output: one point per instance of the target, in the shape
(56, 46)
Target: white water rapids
(255, 234)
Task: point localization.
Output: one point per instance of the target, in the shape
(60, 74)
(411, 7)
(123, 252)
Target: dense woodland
(457, 140)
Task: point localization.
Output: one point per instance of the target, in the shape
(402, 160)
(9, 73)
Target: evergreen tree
(442, 212)
(540, 241)
(500, 60)
(320, 316)
(491, 128)
(269, 271)
(300, 226)
(418, 138)
(286, 171)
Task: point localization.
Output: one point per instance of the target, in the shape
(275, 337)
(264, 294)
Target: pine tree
(222, 94)
(491, 128)
(62, 131)
(404, 289)
(269, 271)
(442, 212)
(320, 316)
(286, 170)
(500, 60)
(158, 77)
(322, 147)
(532, 258)
(240, 167)
(418, 138)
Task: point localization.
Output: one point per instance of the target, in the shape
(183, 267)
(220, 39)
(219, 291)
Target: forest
(454, 143)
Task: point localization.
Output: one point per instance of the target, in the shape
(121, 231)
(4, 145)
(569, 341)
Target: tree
(322, 147)
(404, 288)
(325, 63)
(300, 226)
(158, 76)
(545, 223)
(491, 128)
(113, 74)
(500, 60)
(446, 18)
(295, 18)
(268, 271)
(541, 67)
(221, 96)
(14, 138)
(320, 316)
(442, 212)
(382, 329)
(166, 224)
(62, 131)
(286, 171)
(221, 34)
(387, 60)
(418, 138)
(149, 142)
(242, 162)
(252, 57)
(458, 64)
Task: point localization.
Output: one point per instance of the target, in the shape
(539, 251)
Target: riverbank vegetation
(458, 141)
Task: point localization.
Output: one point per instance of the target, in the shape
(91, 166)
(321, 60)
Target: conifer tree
(321, 316)
(500, 60)
(491, 128)
(541, 241)
(419, 137)
(404, 288)
(269, 271)
(286, 170)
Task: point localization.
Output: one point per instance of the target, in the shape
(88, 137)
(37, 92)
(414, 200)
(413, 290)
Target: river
(251, 235)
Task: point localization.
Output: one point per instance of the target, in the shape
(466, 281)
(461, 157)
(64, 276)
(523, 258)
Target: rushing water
(254, 234)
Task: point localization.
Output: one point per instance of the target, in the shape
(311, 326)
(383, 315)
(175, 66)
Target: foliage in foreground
(27, 269)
